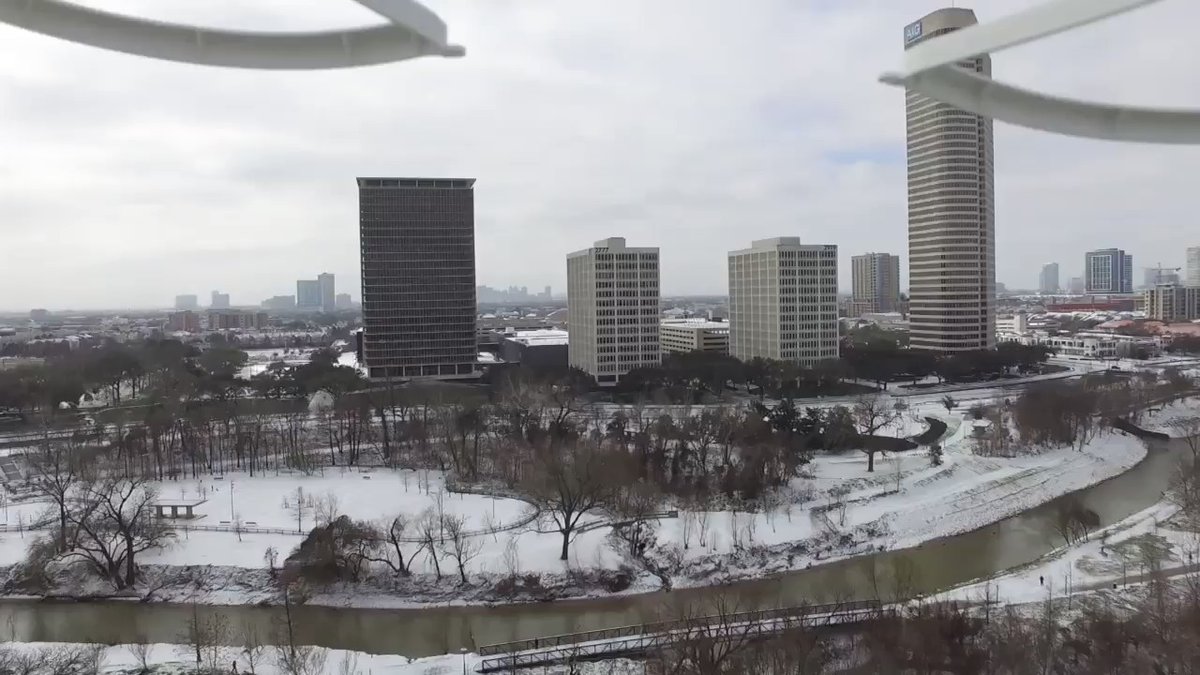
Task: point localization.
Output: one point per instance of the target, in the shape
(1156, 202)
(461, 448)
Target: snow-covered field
(177, 659)
(1116, 554)
(1161, 420)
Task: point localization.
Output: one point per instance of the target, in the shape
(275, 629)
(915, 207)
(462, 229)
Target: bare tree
(1188, 429)
(459, 543)
(140, 651)
(872, 414)
(110, 522)
(429, 530)
(570, 481)
(253, 647)
(55, 471)
(390, 537)
(203, 637)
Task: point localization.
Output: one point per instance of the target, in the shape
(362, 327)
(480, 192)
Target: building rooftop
(538, 338)
(696, 323)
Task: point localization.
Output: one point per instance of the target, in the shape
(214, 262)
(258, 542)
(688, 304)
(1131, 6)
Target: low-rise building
(542, 348)
(16, 362)
(693, 335)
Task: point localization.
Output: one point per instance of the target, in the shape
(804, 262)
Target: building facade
(783, 301)
(613, 309)
(1171, 302)
(186, 321)
(694, 335)
(875, 278)
(417, 240)
(1048, 279)
(951, 210)
(233, 320)
(1192, 271)
(185, 302)
(1108, 270)
(308, 294)
(343, 301)
(325, 282)
(219, 300)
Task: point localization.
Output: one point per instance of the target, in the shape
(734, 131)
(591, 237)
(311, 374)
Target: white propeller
(412, 31)
(929, 68)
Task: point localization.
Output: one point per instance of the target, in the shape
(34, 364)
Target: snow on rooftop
(539, 337)
(696, 323)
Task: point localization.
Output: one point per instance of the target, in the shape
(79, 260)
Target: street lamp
(929, 69)
(463, 651)
(411, 31)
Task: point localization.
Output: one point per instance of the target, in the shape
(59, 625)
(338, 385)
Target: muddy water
(422, 632)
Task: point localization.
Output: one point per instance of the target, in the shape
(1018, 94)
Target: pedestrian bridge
(634, 640)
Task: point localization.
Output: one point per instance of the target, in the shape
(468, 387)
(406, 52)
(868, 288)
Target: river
(931, 567)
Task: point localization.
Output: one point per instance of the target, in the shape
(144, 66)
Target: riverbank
(836, 511)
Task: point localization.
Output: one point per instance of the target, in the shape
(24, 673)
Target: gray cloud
(695, 126)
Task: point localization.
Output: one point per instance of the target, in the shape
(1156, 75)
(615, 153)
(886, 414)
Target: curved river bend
(934, 566)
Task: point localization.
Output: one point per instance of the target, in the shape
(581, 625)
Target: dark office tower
(417, 241)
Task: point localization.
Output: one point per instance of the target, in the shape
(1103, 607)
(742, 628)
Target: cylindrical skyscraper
(951, 210)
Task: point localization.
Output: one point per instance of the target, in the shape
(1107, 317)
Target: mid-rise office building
(875, 279)
(694, 335)
(613, 309)
(783, 301)
(308, 294)
(185, 302)
(1108, 270)
(417, 240)
(1172, 302)
(1192, 271)
(1076, 285)
(185, 321)
(219, 300)
(39, 315)
(1048, 279)
(280, 303)
(951, 209)
(325, 282)
(343, 301)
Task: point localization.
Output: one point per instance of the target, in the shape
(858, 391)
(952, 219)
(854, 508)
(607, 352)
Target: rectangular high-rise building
(613, 309)
(325, 283)
(783, 301)
(951, 210)
(1048, 280)
(1192, 271)
(875, 278)
(417, 241)
(219, 300)
(1108, 270)
(308, 294)
(185, 302)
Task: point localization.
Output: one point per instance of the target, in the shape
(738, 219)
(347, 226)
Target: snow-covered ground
(964, 493)
(257, 360)
(1161, 419)
(1116, 554)
(175, 659)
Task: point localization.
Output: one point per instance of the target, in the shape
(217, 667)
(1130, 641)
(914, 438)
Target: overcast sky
(693, 125)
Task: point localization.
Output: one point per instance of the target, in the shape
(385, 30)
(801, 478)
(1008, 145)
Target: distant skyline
(128, 181)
